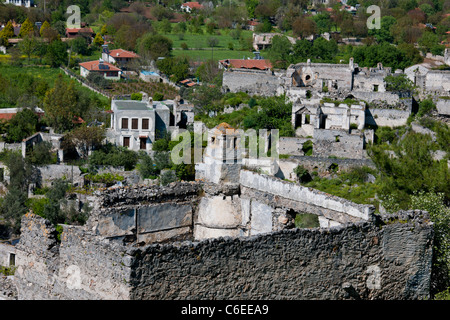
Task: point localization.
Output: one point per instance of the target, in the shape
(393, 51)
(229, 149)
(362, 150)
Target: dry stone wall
(387, 258)
(359, 261)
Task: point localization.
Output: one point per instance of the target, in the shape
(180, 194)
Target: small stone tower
(222, 159)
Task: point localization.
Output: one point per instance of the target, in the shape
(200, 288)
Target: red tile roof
(123, 53)
(93, 66)
(77, 30)
(261, 64)
(193, 5)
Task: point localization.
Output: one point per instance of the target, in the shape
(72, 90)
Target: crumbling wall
(319, 164)
(443, 107)
(263, 83)
(387, 117)
(278, 193)
(338, 143)
(386, 258)
(148, 214)
(292, 145)
(79, 266)
(389, 260)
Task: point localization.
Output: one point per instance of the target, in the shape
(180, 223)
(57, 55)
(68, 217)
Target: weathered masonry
(255, 254)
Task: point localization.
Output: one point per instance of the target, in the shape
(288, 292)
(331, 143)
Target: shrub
(158, 96)
(308, 148)
(136, 96)
(168, 177)
(302, 174)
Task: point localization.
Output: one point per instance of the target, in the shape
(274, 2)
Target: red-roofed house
(118, 56)
(189, 6)
(73, 33)
(108, 70)
(8, 113)
(252, 24)
(256, 64)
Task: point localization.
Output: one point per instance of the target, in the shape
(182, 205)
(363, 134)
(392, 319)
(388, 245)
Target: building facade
(136, 124)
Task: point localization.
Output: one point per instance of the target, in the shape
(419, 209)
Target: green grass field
(203, 55)
(50, 75)
(199, 49)
(197, 41)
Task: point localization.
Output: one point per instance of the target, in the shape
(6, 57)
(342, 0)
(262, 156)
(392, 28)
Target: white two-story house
(135, 124)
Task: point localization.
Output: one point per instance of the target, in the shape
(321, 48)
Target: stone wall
(386, 258)
(52, 172)
(291, 145)
(386, 117)
(338, 143)
(443, 107)
(263, 83)
(319, 164)
(145, 214)
(6, 249)
(390, 260)
(369, 96)
(278, 193)
(79, 266)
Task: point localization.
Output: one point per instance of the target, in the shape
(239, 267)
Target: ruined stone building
(230, 240)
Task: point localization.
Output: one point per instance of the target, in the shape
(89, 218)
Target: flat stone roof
(131, 105)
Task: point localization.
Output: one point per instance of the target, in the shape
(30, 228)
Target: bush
(307, 148)
(302, 174)
(42, 154)
(158, 96)
(147, 168)
(168, 177)
(136, 96)
(110, 155)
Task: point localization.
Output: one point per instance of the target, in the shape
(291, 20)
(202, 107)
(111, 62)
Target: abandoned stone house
(225, 237)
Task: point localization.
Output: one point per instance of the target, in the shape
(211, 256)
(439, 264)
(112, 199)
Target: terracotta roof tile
(93, 66)
(123, 53)
(261, 64)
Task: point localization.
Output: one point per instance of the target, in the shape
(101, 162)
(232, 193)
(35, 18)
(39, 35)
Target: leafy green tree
(28, 46)
(79, 45)
(56, 53)
(428, 40)
(302, 50)
(304, 26)
(411, 169)
(42, 154)
(22, 173)
(274, 114)
(22, 125)
(279, 52)
(168, 177)
(384, 33)
(110, 155)
(399, 83)
(84, 139)
(176, 68)
(154, 46)
(6, 33)
(60, 105)
(324, 49)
